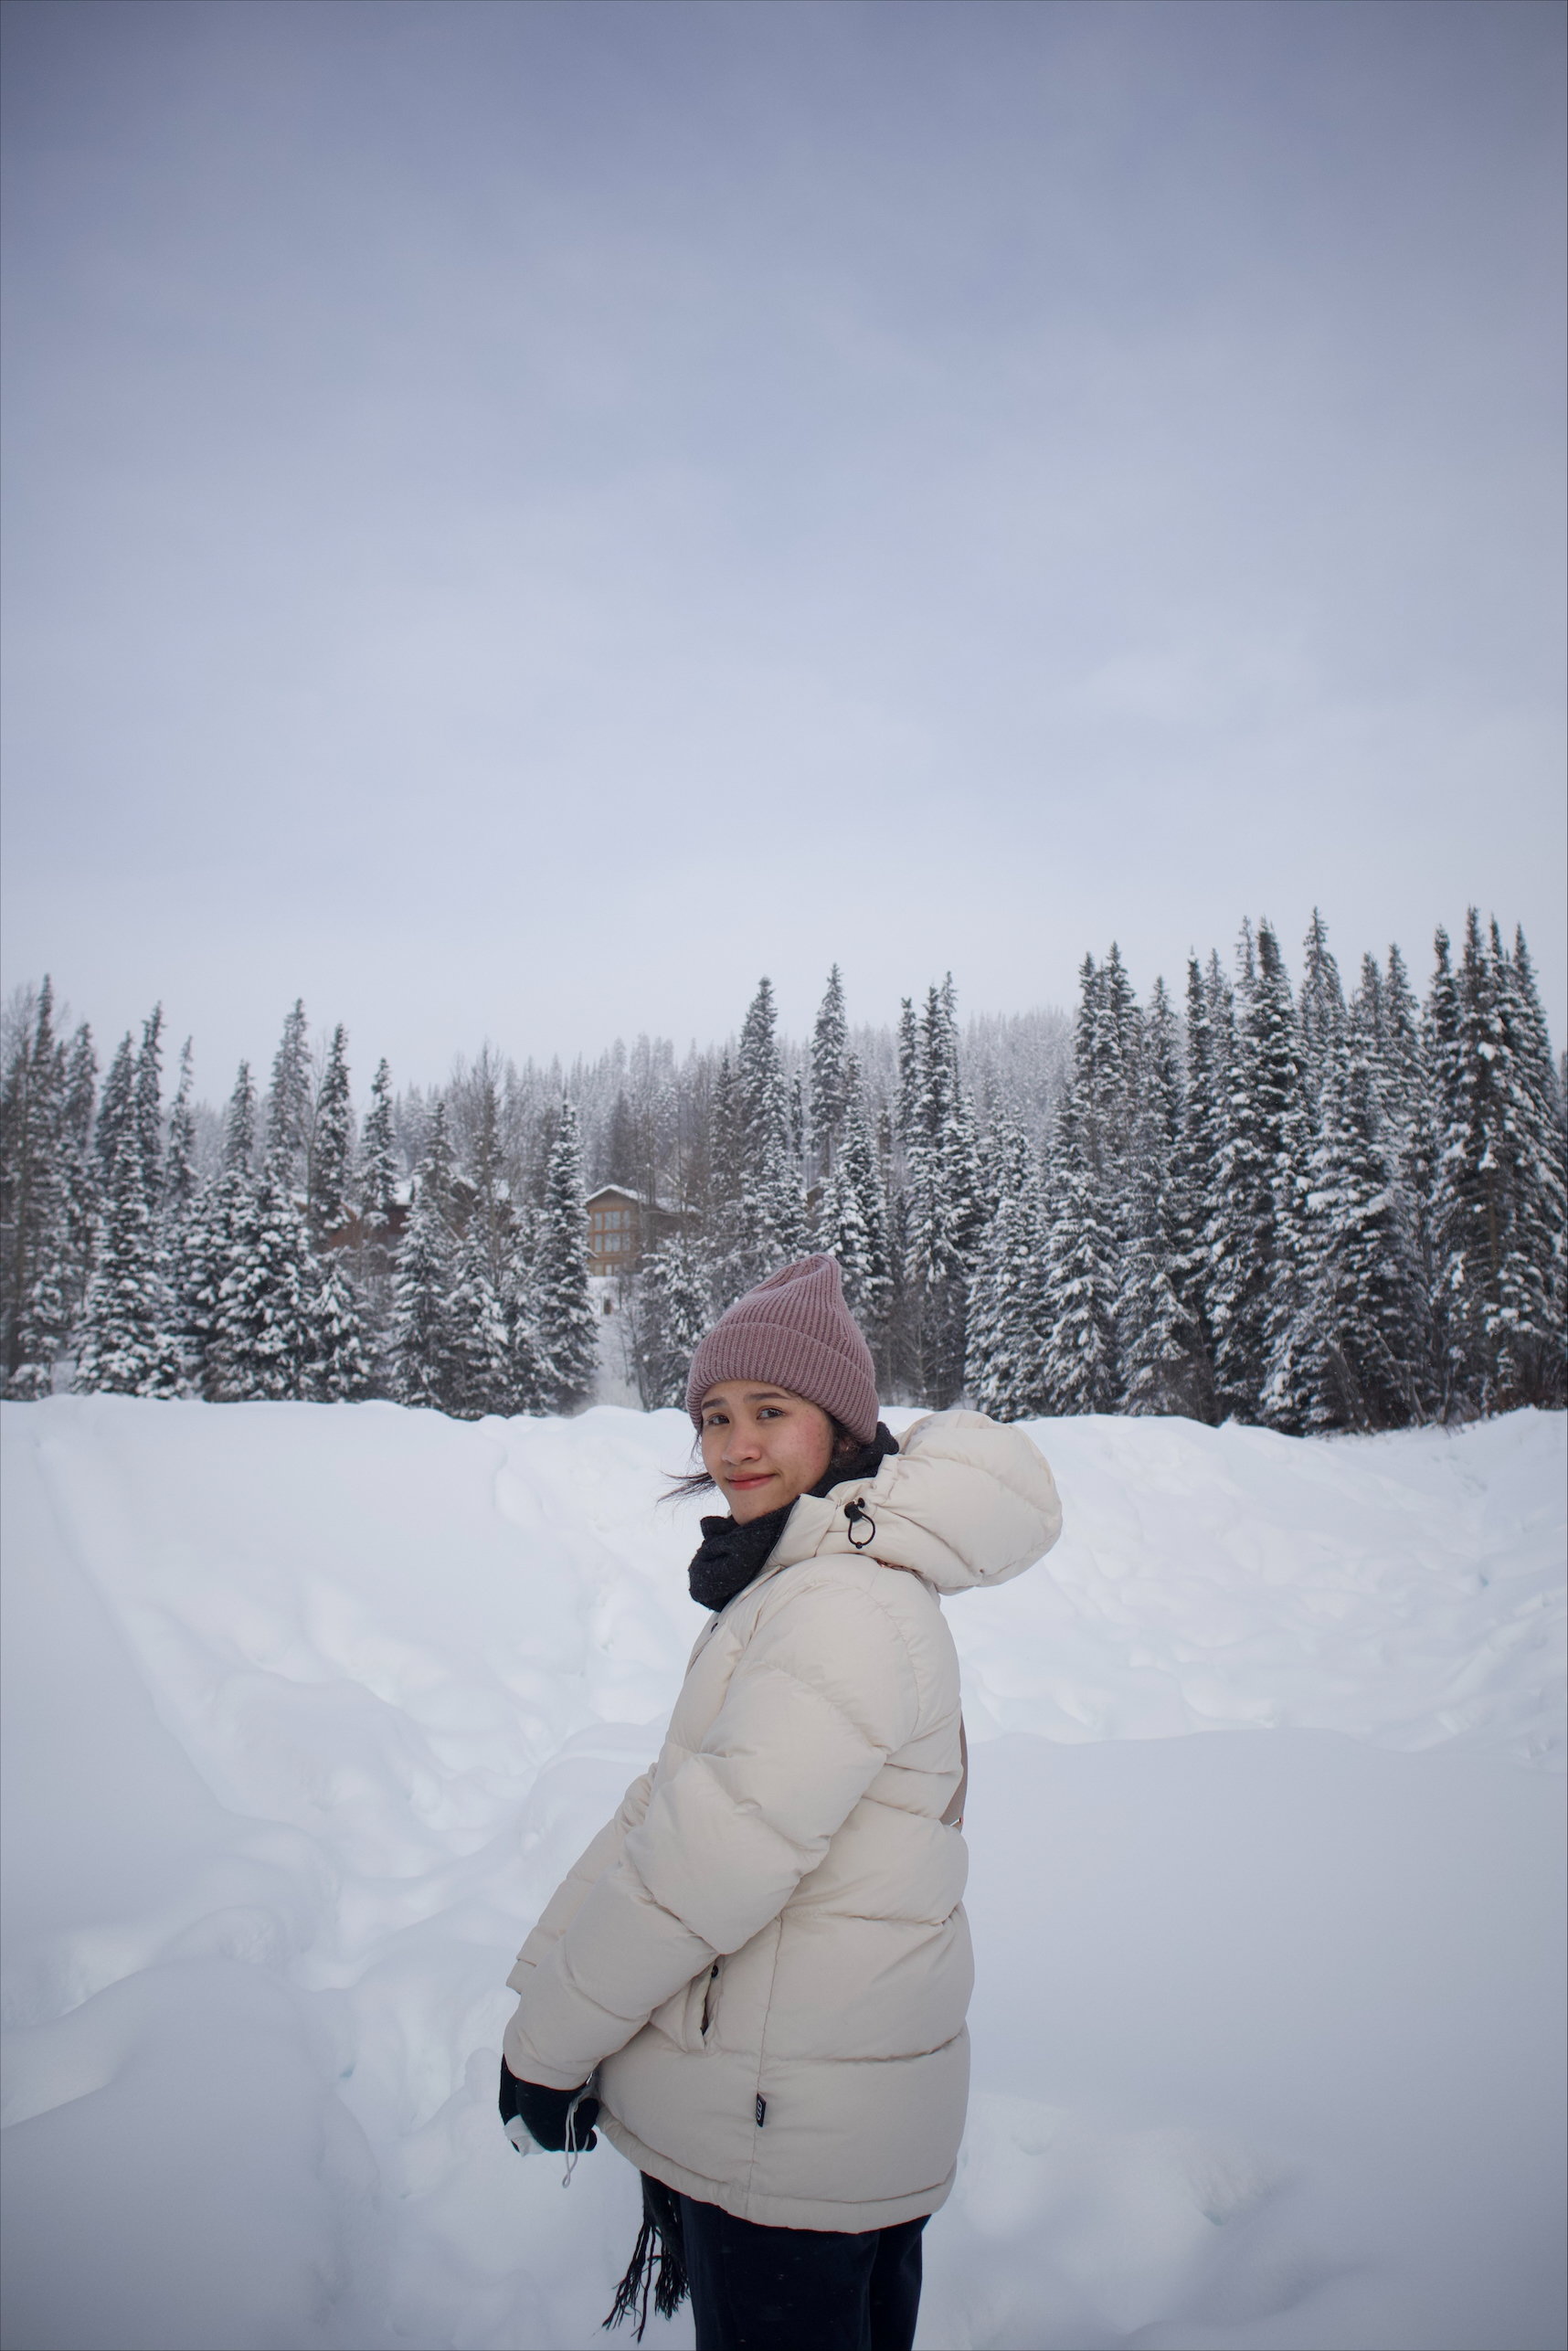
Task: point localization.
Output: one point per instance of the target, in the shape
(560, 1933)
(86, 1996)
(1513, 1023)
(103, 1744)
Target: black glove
(544, 2112)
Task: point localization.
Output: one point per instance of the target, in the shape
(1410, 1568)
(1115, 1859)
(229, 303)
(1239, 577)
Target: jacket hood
(965, 1501)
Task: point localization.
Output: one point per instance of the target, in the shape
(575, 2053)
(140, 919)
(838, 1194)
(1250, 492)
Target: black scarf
(729, 1556)
(658, 2262)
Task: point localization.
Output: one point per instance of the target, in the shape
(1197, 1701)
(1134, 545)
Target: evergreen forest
(1293, 1203)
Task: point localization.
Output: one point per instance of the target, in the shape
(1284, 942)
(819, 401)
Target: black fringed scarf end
(658, 2242)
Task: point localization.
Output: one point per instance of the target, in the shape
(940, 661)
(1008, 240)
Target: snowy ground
(307, 1708)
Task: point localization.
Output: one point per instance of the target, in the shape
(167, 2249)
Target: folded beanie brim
(791, 1360)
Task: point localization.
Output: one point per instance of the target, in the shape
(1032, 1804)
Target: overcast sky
(521, 518)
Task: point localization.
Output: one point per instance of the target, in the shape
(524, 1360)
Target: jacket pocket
(680, 2017)
(711, 2003)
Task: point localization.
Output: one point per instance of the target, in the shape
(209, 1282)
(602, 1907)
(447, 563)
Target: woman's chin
(743, 1508)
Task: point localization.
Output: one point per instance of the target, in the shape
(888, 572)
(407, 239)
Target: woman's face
(762, 1447)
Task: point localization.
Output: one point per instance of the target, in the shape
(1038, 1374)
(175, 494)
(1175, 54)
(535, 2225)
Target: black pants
(799, 2289)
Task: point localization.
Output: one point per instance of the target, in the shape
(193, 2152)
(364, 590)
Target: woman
(756, 1978)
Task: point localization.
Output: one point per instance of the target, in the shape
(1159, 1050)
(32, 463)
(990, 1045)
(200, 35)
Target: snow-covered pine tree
(1112, 1101)
(1117, 1052)
(1365, 1011)
(81, 1088)
(482, 1380)
(829, 1049)
(116, 1111)
(79, 1162)
(963, 1152)
(1004, 1369)
(424, 1348)
(899, 1364)
(178, 1211)
(1299, 1232)
(1531, 1284)
(672, 1312)
(931, 1263)
(1404, 1061)
(149, 1107)
(35, 1201)
(181, 1181)
(988, 1173)
(1107, 1051)
(1321, 1006)
(483, 1324)
(1084, 1203)
(726, 1183)
(1542, 1074)
(1477, 1194)
(213, 1241)
(376, 1178)
(1251, 1293)
(1078, 1368)
(1160, 1342)
(761, 1071)
(1444, 1062)
(1405, 1081)
(1384, 1022)
(1205, 1125)
(772, 1206)
(1299, 1235)
(945, 1215)
(239, 1125)
(622, 1150)
(380, 1165)
(839, 1230)
(1087, 1032)
(906, 1104)
(528, 1371)
(289, 1103)
(852, 1214)
(901, 1371)
(1407, 1091)
(265, 1341)
(1355, 1357)
(129, 1342)
(565, 1319)
(331, 1149)
(491, 1209)
(341, 1369)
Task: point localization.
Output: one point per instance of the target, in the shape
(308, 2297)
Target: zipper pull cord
(855, 1512)
(573, 2150)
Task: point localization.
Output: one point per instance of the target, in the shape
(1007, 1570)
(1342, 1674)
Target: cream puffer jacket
(764, 1954)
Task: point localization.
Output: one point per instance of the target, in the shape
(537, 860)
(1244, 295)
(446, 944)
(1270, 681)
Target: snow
(616, 1379)
(307, 1708)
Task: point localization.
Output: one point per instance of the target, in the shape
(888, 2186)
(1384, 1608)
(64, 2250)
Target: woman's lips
(740, 1484)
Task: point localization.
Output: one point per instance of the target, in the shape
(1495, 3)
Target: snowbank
(307, 1708)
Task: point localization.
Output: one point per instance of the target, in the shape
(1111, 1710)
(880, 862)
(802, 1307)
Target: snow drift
(307, 1708)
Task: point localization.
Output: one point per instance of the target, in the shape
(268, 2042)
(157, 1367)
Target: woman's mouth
(740, 1485)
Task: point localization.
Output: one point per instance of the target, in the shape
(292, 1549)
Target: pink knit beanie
(794, 1331)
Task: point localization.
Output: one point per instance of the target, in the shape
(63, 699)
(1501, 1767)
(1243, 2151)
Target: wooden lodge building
(621, 1224)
